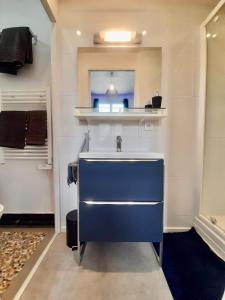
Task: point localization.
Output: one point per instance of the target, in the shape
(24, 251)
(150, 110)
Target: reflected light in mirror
(216, 19)
(104, 107)
(112, 89)
(119, 107)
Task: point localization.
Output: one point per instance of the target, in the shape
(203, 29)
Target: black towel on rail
(36, 127)
(13, 129)
(8, 68)
(15, 49)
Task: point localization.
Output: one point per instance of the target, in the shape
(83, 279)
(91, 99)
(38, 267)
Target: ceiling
(129, 5)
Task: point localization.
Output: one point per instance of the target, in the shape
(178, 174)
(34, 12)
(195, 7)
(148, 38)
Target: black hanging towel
(15, 49)
(36, 127)
(13, 129)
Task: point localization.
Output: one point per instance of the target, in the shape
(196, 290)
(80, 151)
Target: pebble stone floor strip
(15, 249)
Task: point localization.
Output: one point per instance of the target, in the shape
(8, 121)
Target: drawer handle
(120, 203)
(119, 160)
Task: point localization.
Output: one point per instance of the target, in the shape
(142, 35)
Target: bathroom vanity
(121, 197)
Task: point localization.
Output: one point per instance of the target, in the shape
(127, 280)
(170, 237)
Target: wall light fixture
(117, 37)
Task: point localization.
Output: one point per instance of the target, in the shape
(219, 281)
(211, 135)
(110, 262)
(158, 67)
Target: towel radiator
(28, 100)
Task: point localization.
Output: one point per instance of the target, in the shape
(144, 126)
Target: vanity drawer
(119, 222)
(121, 180)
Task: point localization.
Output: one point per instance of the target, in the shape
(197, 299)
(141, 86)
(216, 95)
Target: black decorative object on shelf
(95, 103)
(156, 101)
(148, 106)
(125, 103)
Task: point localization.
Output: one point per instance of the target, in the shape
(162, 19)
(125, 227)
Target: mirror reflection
(126, 73)
(112, 91)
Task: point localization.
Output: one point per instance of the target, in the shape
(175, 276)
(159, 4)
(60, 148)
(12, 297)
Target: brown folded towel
(8, 68)
(13, 129)
(15, 49)
(36, 127)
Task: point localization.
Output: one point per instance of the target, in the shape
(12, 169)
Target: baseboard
(211, 236)
(63, 228)
(27, 220)
(176, 229)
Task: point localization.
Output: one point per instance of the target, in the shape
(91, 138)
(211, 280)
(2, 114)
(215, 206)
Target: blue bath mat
(192, 270)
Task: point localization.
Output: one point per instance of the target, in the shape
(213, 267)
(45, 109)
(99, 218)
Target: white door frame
(49, 10)
(55, 117)
(56, 129)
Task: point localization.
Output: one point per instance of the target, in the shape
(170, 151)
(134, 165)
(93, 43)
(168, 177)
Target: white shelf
(131, 114)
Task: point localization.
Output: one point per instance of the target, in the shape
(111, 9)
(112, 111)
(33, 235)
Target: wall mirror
(113, 79)
(112, 91)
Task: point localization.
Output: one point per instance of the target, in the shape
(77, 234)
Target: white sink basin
(121, 155)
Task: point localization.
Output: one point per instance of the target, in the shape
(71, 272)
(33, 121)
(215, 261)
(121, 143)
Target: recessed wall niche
(145, 63)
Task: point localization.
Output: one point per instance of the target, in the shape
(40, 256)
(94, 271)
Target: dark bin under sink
(71, 229)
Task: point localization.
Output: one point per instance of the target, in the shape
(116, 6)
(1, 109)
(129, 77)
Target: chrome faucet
(118, 143)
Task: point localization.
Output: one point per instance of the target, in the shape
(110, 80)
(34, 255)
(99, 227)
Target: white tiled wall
(172, 25)
(134, 136)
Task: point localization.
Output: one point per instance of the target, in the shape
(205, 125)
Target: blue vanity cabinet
(121, 201)
(121, 180)
(121, 222)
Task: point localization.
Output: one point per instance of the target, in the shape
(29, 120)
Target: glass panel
(104, 107)
(213, 204)
(118, 107)
(115, 88)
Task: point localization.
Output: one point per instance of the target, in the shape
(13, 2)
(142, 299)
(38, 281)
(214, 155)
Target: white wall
(31, 14)
(23, 188)
(172, 25)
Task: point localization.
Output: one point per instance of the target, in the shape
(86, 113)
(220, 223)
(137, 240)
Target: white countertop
(121, 155)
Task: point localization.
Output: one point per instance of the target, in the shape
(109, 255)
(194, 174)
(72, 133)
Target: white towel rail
(13, 100)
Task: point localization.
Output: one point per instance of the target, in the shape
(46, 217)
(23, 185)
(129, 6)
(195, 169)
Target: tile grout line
(34, 269)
